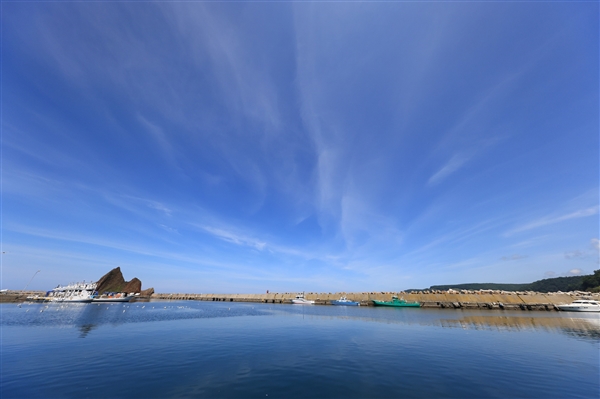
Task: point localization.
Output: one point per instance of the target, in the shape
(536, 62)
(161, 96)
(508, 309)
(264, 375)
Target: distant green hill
(481, 286)
(574, 283)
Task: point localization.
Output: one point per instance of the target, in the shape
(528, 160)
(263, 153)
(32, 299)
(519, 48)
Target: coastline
(484, 299)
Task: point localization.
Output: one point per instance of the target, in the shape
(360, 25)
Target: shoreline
(484, 299)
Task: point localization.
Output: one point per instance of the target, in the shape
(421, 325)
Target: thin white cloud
(161, 139)
(577, 254)
(169, 229)
(234, 238)
(177, 257)
(513, 257)
(455, 163)
(245, 83)
(575, 272)
(548, 220)
(132, 203)
(159, 207)
(81, 238)
(459, 235)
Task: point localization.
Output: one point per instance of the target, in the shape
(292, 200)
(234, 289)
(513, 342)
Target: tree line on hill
(590, 283)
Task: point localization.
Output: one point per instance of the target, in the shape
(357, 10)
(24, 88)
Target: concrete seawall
(19, 296)
(439, 299)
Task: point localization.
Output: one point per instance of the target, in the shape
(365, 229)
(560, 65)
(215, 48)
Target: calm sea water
(236, 350)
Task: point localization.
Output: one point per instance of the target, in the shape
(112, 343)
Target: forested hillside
(575, 283)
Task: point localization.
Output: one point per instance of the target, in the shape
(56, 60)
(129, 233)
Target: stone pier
(484, 299)
(439, 299)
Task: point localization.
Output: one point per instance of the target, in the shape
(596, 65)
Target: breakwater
(484, 299)
(14, 296)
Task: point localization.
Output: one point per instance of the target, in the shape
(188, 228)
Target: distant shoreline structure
(488, 299)
(460, 296)
(451, 299)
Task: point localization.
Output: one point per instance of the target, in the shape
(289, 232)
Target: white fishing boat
(74, 292)
(114, 297)
(300, 300)
(581, 305)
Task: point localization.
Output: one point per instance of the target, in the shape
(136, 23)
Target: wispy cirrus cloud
(174, 257)
(233, 237)
(577, 254)
(513, 257)
(553, 219)
(454, 164)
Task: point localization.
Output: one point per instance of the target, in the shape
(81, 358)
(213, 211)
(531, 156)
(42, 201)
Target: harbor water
(182, 349)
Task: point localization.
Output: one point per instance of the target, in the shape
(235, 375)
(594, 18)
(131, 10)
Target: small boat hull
(72, 300)
(397, 303)
(580, 308)
(112, 299)
(302, 302)
(345, 303)
(120, 298)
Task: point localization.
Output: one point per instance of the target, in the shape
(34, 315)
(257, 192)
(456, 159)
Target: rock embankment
(113, 281)
(18, 296)
(485, 299)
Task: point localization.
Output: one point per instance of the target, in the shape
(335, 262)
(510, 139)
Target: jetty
(451, 299)
(15, 296)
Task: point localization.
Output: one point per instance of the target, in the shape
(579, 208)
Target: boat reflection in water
(579, 325)
(588, 327)
(85, 329)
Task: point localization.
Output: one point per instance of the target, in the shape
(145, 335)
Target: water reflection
(582, 325)
(87, 317)
(83, 316)
(587, 328)
(85, 329)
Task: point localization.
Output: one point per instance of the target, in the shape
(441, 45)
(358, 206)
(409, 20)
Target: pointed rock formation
(113, 281)
(135, 285)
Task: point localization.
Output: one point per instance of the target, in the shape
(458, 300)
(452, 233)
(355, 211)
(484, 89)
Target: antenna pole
(24, 289)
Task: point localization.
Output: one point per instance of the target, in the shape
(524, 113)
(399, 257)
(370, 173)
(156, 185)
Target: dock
(483, 299)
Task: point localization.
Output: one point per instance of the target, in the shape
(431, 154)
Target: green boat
(399, 303)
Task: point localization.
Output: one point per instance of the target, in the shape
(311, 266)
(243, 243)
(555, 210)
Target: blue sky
(299, 146)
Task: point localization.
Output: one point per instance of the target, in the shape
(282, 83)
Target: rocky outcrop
(147, 293)
(113, 281)
(135, 285)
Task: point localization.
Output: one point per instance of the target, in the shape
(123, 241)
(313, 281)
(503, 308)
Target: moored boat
(300, 300)
(581, 305)
(345, 302)
(114, 297)
(74, 292)
(399, 303)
